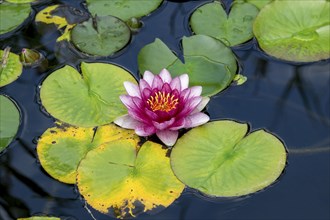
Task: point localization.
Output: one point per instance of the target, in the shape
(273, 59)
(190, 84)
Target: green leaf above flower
(122, 9)
(207, 61)
(88, 99)
(295, 30)
(221, 159)
(118, 179)
(233, 29)
(9, 121)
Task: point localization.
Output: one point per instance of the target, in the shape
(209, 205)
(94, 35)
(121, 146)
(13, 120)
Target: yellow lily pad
(61, 148)
(118, 179)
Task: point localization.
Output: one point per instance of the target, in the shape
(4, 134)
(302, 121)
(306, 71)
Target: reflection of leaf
(236, 28)
(294, 30)
(9, 121)
(101, 36)
(60, 149)
(207, 61)
(117, 180)
(220, 160)
(10, 67)
(122, 9)
(12, 15)
(86, 100)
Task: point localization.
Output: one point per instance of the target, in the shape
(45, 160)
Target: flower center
(162, 101)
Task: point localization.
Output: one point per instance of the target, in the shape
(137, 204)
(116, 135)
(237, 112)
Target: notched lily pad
(12, 16)
(10, 67)
(118, 180)
(9, 121)
(101, 36)
(296, 31)
(220, 159)
(207, 61)
(122, 9)
(61, 148)
(233, 29)
(88, 99)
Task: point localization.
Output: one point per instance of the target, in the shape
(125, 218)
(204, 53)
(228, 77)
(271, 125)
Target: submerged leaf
(10, 67)
(236, 28)
(86, 100)
(218, 159)
(295, 30)
(9, 121)
(61, 148)
(101, 36)
(119, 180)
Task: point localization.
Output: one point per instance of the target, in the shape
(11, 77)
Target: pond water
(290, 100)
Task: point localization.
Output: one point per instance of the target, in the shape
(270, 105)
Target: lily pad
(207, 61)
(20, 1)
(61, 148)
(122, 9)
(12, 16)
(258, 3)
(294, 30)
(101, 36)
(9, 121)
(233, 29)
(88, 99)
(10, 67)
(117, 179)
(220, 159)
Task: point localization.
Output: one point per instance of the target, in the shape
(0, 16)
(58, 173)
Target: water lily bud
(134, 24)
(32, 58)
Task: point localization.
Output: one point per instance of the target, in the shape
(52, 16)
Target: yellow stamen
(162, 101)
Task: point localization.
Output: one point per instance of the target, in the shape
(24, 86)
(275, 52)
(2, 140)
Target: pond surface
(290, 100)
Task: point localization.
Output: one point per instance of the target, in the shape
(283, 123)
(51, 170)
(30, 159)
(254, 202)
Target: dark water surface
(290, 100)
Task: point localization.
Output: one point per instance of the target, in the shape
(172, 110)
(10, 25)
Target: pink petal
(138, 103)
(184, 79)
(165, 76)
(148, 77)
(195, 91)
(146, 93)
(157, 83)
(127, 101)
(145, 130)
(126, 121)
(144, 85)
(132, 89)
(168, 137)
(190, 106)
(201, 105)
(152, 115)
(196, 120)
(166, 88)
(163, 125)
(176, 84)
(178, 124)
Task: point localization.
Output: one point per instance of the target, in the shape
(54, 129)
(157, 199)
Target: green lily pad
(88, 99)
(10, 67)
(117, 179)
(236, 28)
(295, 30)
(39, 218)
(20, 1)
(207, 61)
(101, 36)
(220, 160)
(122, 9)
(258, 3)
(9, 121)
(12, 16)
(61, 148)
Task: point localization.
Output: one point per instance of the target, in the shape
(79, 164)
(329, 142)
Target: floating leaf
(9, 121)
(117, 180)
(20, 1)
(220, 160)
(122, 9)
(12, 16)
(61, 148)
(240, 79)
(258, 3)
(211, 19)
(86, 100)
(39, 218)
(207, 61)
(101, 36)
(295, 30)
(10, 67)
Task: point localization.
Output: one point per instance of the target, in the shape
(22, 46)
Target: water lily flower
(161, 105)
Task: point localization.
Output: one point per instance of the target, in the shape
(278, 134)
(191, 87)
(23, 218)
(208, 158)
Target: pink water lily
(161, 105)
